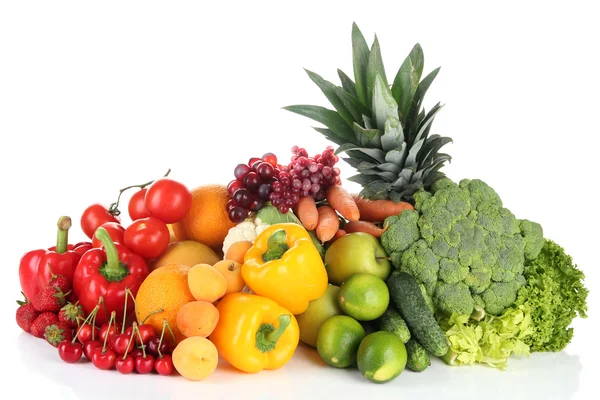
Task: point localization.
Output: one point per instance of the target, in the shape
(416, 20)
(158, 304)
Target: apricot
(232, 272)
(197, 318)
(206, 283)
(195, 358)
(237, 251)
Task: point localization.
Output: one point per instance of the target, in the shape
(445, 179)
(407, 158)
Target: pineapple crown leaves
(383, 128)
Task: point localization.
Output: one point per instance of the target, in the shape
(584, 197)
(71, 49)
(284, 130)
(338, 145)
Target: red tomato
(94, 216)
(137, 205)
(168, 200)
(148, 237)
(115, 231)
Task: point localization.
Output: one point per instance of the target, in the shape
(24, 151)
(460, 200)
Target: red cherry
(90, 346)
(164, 365)
(114, 329)
(120, 342)
(146, 332)
(144, 365)
(103, 359)
(135, 353)
(153, 345)
(125, 365)
(70, 352)
(85, 334)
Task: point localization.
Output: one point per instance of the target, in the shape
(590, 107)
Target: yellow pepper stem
(267, 335)
(276, 246)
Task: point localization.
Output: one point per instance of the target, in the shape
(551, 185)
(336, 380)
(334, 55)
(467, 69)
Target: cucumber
(407, 296)
(417, 357)
(392, 321)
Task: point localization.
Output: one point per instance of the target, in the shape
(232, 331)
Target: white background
(95, 96)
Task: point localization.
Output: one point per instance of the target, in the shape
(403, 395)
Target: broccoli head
(463, 247)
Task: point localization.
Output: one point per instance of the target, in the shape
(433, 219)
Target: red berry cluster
(305, 176)
(262, 179)
(252, 186)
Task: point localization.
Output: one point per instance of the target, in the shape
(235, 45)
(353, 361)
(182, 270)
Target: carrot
(328, 223)
(306, 211)
(342, 202)
(364, 226)
(379, 210)
(340, 232)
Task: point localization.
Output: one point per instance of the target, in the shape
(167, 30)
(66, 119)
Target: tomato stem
(114, 207)
(62, 236)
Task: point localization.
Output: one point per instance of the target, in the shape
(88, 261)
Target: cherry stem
(125, 311)
(151, 314)
(131, 340)
(91, 314)
(62, 236)
(110, 322)
(161, 336)
(137, 313)
(135, 328)
(100, 301)
(170, 330)
(114, 207)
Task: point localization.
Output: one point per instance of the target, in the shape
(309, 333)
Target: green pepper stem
(267, 335)
(276, 246)
(112, 270)
(62, 236)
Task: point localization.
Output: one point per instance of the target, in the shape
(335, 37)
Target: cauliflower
(246, 230)
(463, 247)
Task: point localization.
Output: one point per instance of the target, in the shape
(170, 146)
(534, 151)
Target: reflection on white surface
(542, 376)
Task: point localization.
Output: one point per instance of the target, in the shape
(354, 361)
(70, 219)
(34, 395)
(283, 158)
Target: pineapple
(383, 129)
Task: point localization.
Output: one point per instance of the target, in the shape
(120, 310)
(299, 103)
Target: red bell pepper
(37, 266)
(108, 272)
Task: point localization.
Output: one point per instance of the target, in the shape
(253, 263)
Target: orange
(166, 289)
(207, 221)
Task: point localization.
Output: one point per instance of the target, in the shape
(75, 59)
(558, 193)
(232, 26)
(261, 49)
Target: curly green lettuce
(490, 341)
(463, 247)
(556, 294)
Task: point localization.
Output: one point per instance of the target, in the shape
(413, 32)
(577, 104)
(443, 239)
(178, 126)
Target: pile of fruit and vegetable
(415, 266)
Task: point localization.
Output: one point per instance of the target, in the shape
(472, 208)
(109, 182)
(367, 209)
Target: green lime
(381, 357)
(364, 297)
(318, 311)
(338, 340)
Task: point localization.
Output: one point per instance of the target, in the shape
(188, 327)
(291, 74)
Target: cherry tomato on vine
(168, 200)
(115, 231)
(148, 237)
(137, 205)
(94, 216)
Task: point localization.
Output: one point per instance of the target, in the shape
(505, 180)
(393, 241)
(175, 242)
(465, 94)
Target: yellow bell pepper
(284, 265)
(254, 333)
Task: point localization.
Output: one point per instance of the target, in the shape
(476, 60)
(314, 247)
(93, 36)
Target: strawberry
(58, 332)
(72, 314)
(63, 283)
(38, 327)
(48, 299)
(26, 314)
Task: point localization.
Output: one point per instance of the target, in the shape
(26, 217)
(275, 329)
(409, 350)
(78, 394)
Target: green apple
(356, 253)
(318, 311)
